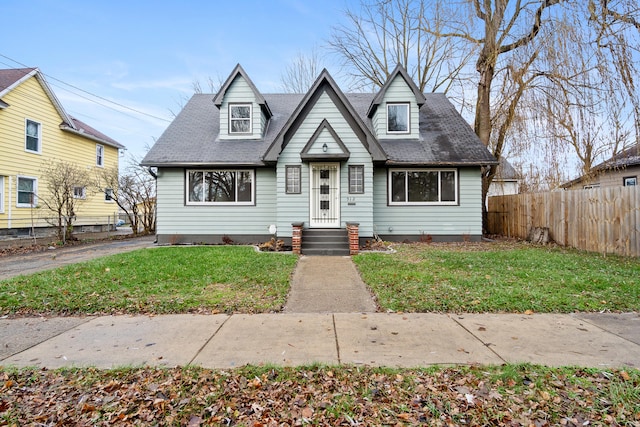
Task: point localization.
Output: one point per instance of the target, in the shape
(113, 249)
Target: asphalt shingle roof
(192, 139)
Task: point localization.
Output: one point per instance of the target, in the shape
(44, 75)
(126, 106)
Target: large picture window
(398, 118)
(32, 138)
(220, 187)
(240, 118)
(423, 187)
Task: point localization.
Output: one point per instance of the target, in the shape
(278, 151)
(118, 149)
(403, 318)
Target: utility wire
(90, 94)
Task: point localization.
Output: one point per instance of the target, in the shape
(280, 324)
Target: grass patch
(321, 395)
(490, 277)
(158, 280)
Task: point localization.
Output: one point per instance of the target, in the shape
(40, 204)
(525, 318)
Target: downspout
(10, 203)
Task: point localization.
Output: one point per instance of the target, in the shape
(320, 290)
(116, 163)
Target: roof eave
(114, 144)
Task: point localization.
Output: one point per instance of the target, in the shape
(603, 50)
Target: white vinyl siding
(175, 217)
(465, 217)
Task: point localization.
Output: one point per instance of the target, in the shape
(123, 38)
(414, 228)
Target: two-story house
(245, 166)
(35, 131)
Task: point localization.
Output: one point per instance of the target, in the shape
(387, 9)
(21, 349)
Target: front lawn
(500, 277)
(159, 280)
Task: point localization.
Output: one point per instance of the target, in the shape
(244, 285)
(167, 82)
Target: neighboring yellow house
(34, 131)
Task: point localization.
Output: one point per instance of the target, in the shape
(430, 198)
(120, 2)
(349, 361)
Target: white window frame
(39, 136)
(630, 181)
(1, 194)
(456, 185)
(35, 192)
(108, 195)
(399, 104)
(82, 194)
(231, 119)
(294, 180)
(354, 181)
(100, 155)
(251, 202)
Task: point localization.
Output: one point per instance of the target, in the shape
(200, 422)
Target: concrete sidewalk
(376, 339)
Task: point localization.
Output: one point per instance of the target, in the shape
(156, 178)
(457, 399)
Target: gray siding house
(242, 165)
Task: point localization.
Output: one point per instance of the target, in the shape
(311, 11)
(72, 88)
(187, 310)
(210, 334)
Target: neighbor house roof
(626, 158)
(14, 77)
(192, 139)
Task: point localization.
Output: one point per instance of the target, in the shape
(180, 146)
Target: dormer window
(398, 118)
(239, 118)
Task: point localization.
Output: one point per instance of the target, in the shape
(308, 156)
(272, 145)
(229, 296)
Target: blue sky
(145, 55)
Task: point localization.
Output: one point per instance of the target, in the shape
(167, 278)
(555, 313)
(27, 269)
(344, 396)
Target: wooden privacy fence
(605, 220)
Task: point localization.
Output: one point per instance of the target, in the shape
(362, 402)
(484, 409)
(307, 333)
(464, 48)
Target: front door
(325, 195)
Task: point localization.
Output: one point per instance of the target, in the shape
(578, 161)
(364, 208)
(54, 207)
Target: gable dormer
(394, 112)
(244, 113)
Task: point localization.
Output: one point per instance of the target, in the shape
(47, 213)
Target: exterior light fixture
(324, 147)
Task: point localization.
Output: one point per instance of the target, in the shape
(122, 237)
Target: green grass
(500, 278)
(159, 280)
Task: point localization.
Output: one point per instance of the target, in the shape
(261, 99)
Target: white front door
(325, 195)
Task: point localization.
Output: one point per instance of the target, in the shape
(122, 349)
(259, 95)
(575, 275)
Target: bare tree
(134, 191)
(66, 190)
(301, 72)
(385, 33)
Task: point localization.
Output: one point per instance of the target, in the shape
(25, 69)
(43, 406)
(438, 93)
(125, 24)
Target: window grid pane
(293, 180)
(356, 179)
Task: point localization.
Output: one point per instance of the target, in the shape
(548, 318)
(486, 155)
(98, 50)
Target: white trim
(317, 217)
(109, 192)
(100, 155)
(83, 192)
(39, 150)
(252, 202)
(399, 132)
(2, 192)
(250, 118)
(456, 185)
(35, 192)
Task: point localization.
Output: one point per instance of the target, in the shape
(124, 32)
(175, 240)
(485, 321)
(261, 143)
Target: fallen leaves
(331, 396)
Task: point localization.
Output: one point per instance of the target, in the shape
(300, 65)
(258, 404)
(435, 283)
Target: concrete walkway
(329, 318)
(376, 339)
(328, 284)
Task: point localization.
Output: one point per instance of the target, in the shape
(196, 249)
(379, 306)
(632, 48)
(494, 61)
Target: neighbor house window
(398, 118)
(99, 155)
(356, 179)
(27, 192)
(220, 187)
(32, 141)
(293, 178)
(423, 187)
(79, 192)
(108, 195)
(630, 181)
(240, 118)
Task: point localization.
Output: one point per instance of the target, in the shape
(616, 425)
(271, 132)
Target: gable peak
(399, 71)
(239, 71)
